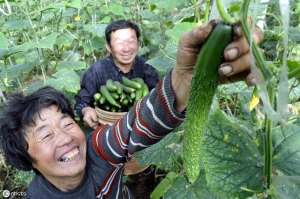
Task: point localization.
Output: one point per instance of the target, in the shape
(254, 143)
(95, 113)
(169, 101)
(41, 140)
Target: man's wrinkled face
(57, 144)
(124, 46)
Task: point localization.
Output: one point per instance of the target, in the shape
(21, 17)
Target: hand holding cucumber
(236, 64)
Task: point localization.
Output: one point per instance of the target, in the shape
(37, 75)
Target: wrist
(181, 81)
(85, 109)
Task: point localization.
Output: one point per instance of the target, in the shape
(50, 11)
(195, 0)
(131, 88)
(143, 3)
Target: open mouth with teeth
(70, 156)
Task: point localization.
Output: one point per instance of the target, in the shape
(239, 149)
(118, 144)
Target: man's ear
(108, 48)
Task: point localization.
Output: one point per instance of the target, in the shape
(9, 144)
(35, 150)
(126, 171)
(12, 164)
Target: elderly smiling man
(122, 43)
(38, 131)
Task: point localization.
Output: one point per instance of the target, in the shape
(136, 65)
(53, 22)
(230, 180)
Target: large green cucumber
(203, 87)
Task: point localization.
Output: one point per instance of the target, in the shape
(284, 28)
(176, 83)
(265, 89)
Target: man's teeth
(69, 156)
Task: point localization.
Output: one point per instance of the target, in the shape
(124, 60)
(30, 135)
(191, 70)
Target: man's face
(57, 144)
(124, 46)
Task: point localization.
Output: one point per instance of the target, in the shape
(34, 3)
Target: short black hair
(120, 24)
(20, 112)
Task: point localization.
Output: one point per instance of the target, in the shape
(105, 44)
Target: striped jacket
(109, 147)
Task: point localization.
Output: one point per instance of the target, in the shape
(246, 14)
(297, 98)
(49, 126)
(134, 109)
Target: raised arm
(160, 112)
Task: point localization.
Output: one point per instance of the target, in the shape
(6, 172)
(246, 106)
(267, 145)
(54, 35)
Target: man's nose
(126, 47)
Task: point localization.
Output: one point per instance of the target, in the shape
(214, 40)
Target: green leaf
(287, 187)
(286, 149)
(17, 25)
(231, 156)
(294, 34)
(176, 32)
(33, 86)
(294, 69)
(164, 185)
(163, 154)
(162, 64)
(98, 29)
(116, 9)
(71, 56)
(182, 189)
(74, 4)
(65, 79)
(165, 59)
(98, 43)
(3, 41)
(168, 5)
(25, 46)
(16, 71)
(48, 41)
(71, 65)
(64, 40)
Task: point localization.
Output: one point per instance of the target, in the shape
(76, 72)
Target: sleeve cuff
(170, 97)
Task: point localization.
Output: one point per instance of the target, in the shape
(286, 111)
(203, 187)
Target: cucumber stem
(262, 66)
(259, 59)
(223, 13)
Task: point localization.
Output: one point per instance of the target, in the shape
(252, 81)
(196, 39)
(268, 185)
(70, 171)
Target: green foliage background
(46, 42)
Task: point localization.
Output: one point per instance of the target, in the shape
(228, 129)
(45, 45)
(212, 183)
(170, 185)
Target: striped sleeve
(148, 121)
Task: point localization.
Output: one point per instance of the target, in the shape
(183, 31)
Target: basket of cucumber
(114, 99)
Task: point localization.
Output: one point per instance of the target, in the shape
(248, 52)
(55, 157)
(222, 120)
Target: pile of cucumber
(117, 96)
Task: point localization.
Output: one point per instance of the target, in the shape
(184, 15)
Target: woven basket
(108, 118)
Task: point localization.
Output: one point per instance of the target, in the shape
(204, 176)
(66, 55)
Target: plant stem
(196, 11)
(207, 10)
(268, 143)
(259, 60)
(223, 13)
(262, 66)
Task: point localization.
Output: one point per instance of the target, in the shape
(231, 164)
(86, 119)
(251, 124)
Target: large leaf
(176, 32)
(116, 9)
(231, 156)
(3, 41)
(48, 41)
(294, 69)
(162, 63)
(286, 149)
(165, 59)
(4, 53)
(16, 71)
(64, 40)
(182, 189)
(74, 4)
(294, 34)
(66, 80)
(34, 85)
(163, 154)
(286, 187)
(17, 25)
(96, 29)
(71, 65)
(168, 5)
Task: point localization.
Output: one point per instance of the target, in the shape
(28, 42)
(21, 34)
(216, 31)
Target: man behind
(122, 43)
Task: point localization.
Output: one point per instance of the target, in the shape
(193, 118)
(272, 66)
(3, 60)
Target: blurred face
(58, 146)
(123, 47)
